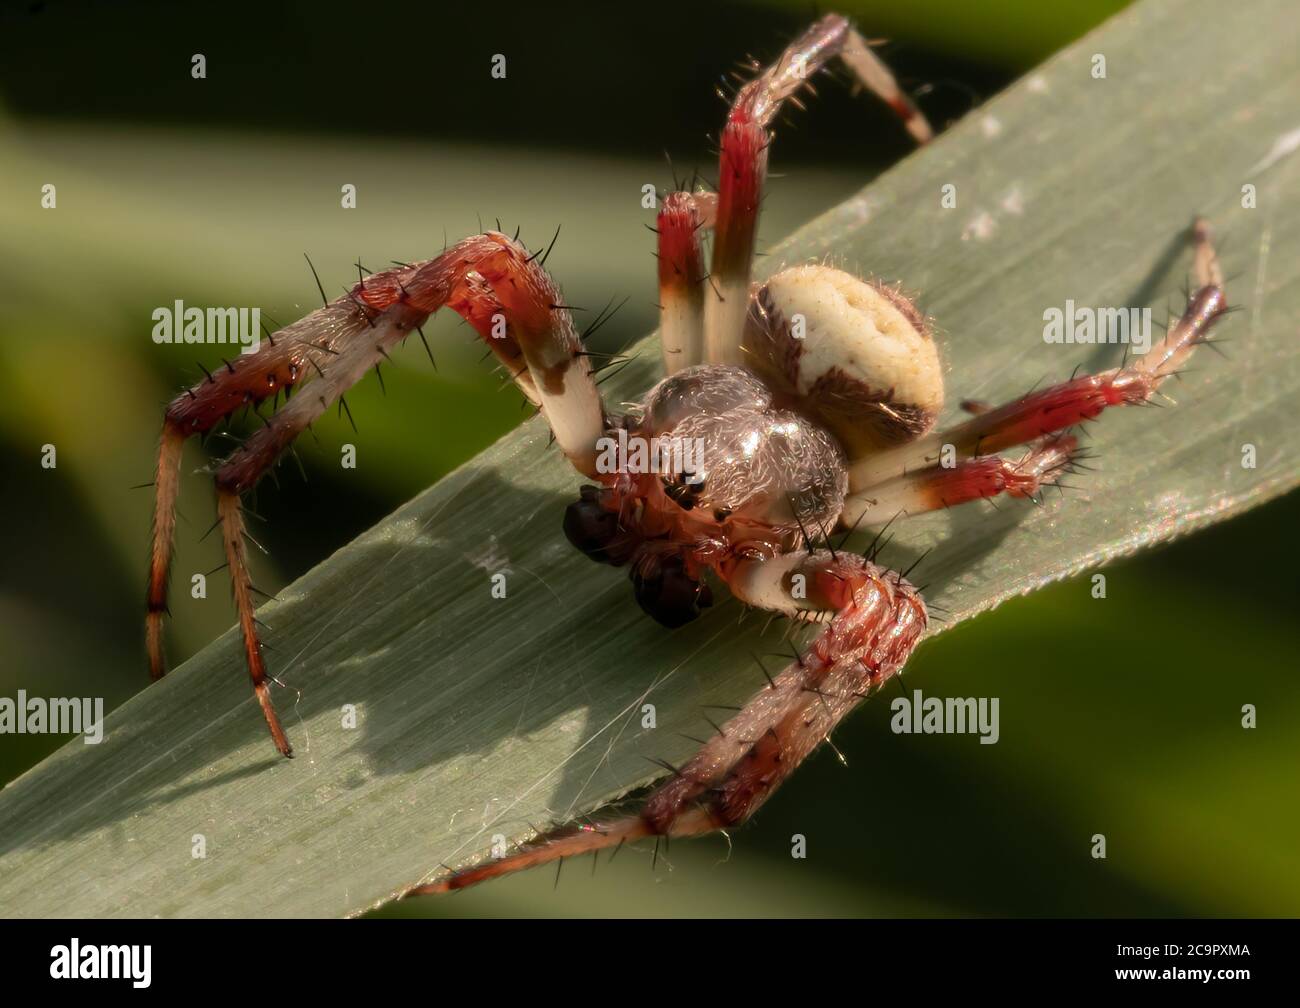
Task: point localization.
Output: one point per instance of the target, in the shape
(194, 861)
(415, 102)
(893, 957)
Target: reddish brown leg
(1072, 402)
(489, 279)
(279, 365)
(682, 277)
(232, 538)
(977, 478)
(742, 167)
(166, 487)
(875, 619)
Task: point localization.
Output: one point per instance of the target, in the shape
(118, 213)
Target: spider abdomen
(856, 357)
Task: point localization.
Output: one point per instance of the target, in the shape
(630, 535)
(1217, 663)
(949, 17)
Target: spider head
(758, 471)
(748, 466)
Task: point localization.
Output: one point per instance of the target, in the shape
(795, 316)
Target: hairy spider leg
(368, 345)
(971, 479)
(523, 319)
(282, 362)
(682, 218)
(492, 281)
(1064, 405)
(742, 166)
(874, 618)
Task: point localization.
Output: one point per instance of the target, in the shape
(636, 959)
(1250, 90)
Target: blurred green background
(1120, 717)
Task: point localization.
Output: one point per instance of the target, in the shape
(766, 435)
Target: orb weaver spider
(811, 398)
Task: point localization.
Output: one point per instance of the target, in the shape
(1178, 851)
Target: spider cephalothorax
(789, 408)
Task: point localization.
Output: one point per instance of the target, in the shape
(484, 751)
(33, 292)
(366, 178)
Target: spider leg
(232, 538)
(523, 319)
(478, 305)
(976, 478)
(503, 292)
(163, 535)
(682, 217)
(742, 167)
(1069, 403)
(281, 363)
(873, 621)
(369, 341)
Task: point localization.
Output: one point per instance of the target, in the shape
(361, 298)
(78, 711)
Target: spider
(810, 399)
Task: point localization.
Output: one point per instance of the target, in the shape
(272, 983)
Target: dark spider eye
(669, 596)
(685, 494)
(594, 530)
